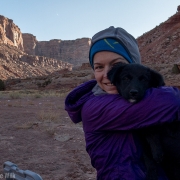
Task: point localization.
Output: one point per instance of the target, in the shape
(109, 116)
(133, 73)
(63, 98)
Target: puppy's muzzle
(133, 93)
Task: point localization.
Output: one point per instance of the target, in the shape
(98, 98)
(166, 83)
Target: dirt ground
(37, 135)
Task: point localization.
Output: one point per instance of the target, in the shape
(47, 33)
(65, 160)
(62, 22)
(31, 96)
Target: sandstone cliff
(71, 51)
(30, 42)
(10, 33)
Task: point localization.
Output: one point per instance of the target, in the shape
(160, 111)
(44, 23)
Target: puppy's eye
(143, 78)
(126, 79)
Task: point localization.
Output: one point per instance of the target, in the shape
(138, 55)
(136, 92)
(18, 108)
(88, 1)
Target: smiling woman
(108, 119)
(103, 62)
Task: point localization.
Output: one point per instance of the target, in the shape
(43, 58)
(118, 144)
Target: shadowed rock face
(30, 42)
(71, 51)
(10, 33)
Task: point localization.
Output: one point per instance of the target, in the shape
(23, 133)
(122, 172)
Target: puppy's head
(132, 80)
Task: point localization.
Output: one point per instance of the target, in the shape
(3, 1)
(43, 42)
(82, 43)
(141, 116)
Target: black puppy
(132, 80)
(160, 143)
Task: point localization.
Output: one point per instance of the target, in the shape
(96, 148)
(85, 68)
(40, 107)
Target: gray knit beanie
(127, 41)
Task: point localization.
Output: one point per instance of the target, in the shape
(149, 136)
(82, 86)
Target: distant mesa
(71, 51)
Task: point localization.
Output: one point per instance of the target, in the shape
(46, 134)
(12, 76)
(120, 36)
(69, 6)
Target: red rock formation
(71, 51)
(16, 64)
(10, 33)
(161, 45)
(30, 42)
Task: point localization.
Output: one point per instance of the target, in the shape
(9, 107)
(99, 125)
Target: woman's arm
(112, 112)
(76, 98)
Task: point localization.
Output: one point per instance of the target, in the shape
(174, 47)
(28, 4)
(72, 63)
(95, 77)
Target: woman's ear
(156, 79)
(115, 72)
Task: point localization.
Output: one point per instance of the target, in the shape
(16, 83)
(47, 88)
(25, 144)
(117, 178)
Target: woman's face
(103, 62)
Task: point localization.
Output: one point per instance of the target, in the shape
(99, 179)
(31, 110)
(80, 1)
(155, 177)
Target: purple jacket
(108, 119)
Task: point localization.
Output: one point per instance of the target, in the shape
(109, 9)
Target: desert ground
(37, 135)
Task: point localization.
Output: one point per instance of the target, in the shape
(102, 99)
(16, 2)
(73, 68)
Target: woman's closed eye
(98, 68)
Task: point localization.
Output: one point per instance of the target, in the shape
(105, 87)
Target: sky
(73, 19)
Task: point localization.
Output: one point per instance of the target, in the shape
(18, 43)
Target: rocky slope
(161, 45)
(16, 64)
(63, 80)
(160, 48)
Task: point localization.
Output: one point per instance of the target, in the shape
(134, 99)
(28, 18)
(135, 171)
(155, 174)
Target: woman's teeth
(109, 84)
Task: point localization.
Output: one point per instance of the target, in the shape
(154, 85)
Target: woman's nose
(106, 70)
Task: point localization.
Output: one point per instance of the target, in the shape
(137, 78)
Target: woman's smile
(103, 62)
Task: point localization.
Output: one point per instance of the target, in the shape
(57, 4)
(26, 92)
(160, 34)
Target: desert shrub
(15, 95)
(175, 69)
(48, 116)
(37, 95)
(2, 85)
(46, 83)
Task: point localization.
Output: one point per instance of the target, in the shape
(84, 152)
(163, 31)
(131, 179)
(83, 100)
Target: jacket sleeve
(75, 100)
(112, 112)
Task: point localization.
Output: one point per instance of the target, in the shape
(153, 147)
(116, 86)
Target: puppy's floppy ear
(156, 79)
(113, 73)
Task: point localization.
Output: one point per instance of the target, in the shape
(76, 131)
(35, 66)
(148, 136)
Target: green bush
(2, 85)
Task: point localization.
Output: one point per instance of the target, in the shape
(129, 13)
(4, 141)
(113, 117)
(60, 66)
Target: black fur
(132, 80)
(161, 144)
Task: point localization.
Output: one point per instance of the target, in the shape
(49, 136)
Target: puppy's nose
(133, 92)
